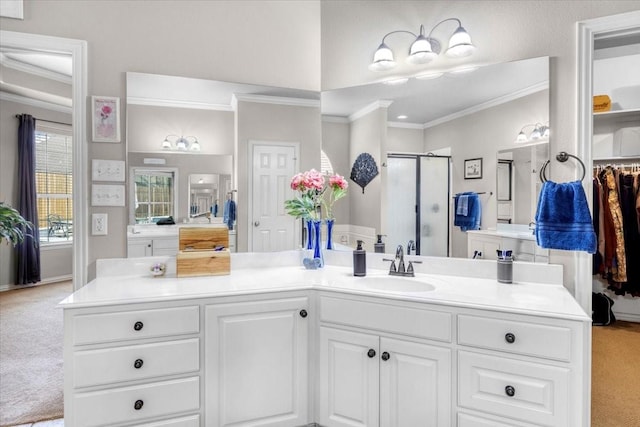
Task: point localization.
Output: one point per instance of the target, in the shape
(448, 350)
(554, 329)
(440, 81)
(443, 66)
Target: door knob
(256, 224)
(371, 353)
(303, 313)
(385, 356)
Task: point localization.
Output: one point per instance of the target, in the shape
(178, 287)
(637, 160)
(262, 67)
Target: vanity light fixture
(180, 143)
(424, 49)
(539, 131)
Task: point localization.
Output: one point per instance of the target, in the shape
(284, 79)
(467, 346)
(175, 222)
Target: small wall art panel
(107, 195)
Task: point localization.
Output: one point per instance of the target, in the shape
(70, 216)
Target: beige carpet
(31, 368)
(615, 381)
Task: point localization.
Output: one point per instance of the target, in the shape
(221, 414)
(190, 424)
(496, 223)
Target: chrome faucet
(397, 267)
(411, 245)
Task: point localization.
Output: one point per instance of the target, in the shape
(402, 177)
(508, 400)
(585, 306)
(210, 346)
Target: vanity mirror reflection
(450, 114)
(518, 183)
(206, 195)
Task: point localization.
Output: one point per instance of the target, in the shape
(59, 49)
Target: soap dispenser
(359, 261)
(378, 247)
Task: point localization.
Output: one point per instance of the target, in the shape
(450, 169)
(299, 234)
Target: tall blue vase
(309, 233)
(329, 222)
(317, 243)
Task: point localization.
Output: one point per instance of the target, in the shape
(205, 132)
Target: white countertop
(453, 290)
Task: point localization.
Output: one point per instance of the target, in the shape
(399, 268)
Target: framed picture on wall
(105, 119)
(473, 168)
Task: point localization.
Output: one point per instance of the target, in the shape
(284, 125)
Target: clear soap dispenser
(359, 261)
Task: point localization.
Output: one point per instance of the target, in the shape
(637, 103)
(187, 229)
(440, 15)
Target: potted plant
(13, 226)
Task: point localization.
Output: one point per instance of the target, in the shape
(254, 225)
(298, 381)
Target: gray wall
(276, 123)
(335, 143)
(481, 135)
(368, 135)
(54, 262)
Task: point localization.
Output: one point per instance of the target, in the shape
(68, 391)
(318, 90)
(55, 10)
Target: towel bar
(562, 157)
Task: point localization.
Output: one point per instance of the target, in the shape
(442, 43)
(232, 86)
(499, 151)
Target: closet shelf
(616, 116)
(620, 159)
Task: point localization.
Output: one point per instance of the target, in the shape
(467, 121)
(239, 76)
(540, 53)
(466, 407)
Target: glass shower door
(401, 202)
(434, 195)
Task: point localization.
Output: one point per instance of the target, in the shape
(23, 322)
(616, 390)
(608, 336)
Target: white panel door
(415, 384)
(349, 378)
(256, 363)
(271, 229)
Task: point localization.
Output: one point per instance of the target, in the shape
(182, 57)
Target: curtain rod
(45, 120)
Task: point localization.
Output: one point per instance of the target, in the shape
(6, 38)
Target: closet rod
(45, 120)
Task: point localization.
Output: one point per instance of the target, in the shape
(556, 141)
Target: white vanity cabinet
(156, 246)
(256, 363)
(375, 375)
(128, 364)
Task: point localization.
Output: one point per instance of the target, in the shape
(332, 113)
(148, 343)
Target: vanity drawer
(136, 362)
(521, 390)
(467, 420)
(108, 407)
(130, 325)
(192, 421)
(416, 322)
(553, 342)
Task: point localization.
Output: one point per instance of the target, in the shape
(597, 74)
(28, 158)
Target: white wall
(405, 140)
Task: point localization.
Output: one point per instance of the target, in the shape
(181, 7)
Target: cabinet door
(138, 248)
(349, 379)
(486, 246)
(415, 384)
(256, 363)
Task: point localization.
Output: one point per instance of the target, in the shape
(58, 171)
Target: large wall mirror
(456, 116)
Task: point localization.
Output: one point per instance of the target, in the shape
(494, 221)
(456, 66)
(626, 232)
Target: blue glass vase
(329, 222)
(309, 233)
(317, 243)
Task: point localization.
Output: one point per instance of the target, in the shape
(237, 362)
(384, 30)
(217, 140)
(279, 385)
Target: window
(54, 166)
(325, 163)
(154, 195)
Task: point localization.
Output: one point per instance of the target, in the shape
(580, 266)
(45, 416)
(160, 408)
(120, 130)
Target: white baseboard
(47, 281)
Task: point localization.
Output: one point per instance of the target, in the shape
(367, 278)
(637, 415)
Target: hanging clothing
(617, 196)
(229, 213)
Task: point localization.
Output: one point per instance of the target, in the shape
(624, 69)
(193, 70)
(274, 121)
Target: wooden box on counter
(196, 254)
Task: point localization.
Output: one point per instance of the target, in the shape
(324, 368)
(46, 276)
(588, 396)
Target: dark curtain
(28, 252)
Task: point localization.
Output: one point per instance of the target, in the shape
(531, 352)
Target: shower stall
(418, 203)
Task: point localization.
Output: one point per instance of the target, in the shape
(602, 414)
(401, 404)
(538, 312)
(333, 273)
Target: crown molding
(405, 125)
(381, 103)
(335, 119)
(489, 104)
(36, 71)
(276, 100)
(177, 104)
(5, 96)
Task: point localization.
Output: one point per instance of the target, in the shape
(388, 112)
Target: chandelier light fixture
(424, 49)
(180, 143)
(539, 131)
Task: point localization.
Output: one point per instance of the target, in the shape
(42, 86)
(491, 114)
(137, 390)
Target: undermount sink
(394, 283)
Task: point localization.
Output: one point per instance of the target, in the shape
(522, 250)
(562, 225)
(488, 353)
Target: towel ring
(562, 157)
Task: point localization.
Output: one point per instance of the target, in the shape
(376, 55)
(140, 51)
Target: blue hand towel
(563, 220)
(471, 221)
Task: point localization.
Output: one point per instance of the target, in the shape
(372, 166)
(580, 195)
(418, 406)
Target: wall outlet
(99, 224)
